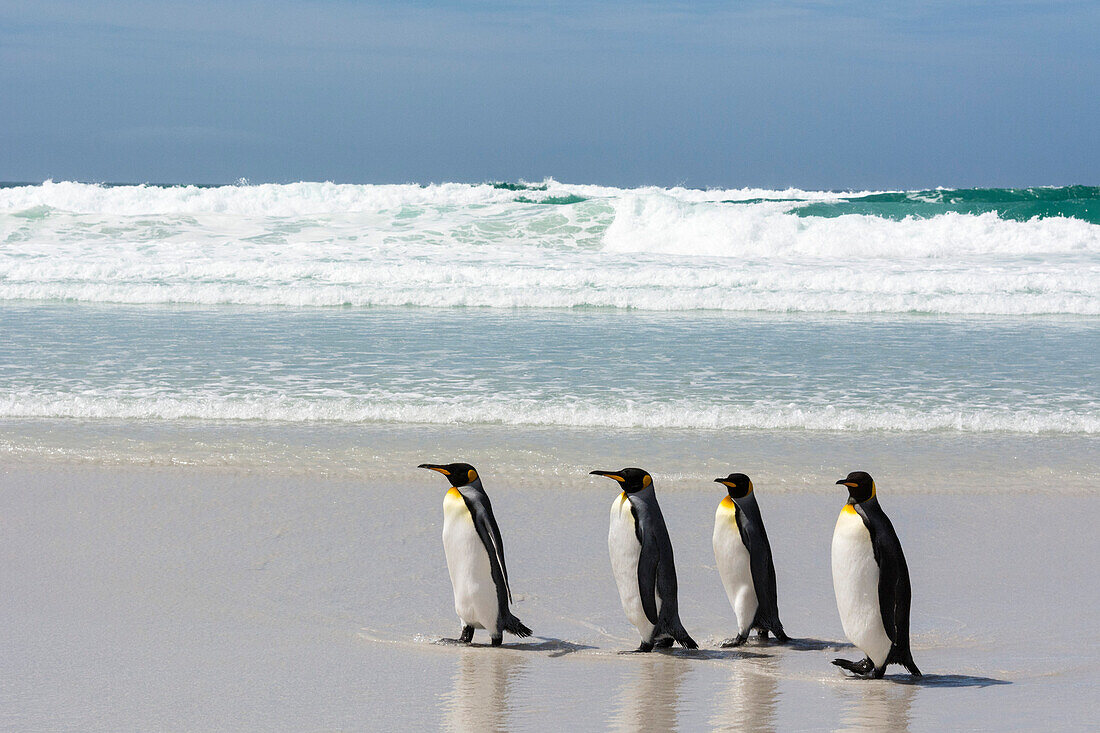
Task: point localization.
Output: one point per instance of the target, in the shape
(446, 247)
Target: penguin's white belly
(855, 580)
(468, 564)
(622, 543)
(734, 567)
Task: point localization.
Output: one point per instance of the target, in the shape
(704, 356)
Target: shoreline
(551, 457)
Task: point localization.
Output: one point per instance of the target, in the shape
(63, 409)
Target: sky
(810, 94)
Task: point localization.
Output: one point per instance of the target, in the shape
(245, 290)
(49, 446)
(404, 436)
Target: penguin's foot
(761, 633)
(663, 643)
(467, 635)
(864, 667)
(736, 641)
(496, 640)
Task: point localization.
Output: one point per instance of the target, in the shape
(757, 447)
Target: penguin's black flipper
(487, 529)
(494, 531)
(648, 564)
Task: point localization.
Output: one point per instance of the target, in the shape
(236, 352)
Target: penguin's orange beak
(609, 474)
(434, 467)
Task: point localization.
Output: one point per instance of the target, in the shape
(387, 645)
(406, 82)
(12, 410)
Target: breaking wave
(518, 245)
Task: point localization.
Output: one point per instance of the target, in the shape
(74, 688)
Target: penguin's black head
(631, 479)
(459, 474)
(861, 486)
(738, 484)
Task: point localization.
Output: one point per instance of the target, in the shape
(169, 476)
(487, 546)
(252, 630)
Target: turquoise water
(1016, 204)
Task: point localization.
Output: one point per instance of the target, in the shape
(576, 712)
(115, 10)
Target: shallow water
(551, 368)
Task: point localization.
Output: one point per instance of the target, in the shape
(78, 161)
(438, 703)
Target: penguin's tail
(768, 620)
(676, 630)
(514, 626)
(904, 657)
(910, 665)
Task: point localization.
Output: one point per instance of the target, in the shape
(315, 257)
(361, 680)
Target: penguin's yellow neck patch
(454, 507)
(850, 509)
(727, 510)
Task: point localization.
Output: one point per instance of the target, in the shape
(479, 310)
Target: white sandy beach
(192, 598)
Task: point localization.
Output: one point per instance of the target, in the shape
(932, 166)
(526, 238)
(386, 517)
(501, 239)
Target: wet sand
(193, 598)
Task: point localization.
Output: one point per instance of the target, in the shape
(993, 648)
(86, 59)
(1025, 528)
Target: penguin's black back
(481, 510)
(751, 526)
(894, 591)
(657, 568)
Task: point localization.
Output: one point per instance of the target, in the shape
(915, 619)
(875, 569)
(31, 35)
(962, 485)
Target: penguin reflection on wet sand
(744, 560)
(475, 557)
(871, 581)
(642, 562)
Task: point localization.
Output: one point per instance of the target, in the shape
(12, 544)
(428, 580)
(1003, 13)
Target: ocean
(550, 305)
(213, 400)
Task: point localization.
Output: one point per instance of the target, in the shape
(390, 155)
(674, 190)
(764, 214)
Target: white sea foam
(299, 199)
(501, 410)
(666, 225)
(447, 245)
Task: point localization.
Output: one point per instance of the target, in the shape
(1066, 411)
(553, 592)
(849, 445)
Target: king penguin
(475, 557)
(641, 559)
(744, 560)
(871, 581)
